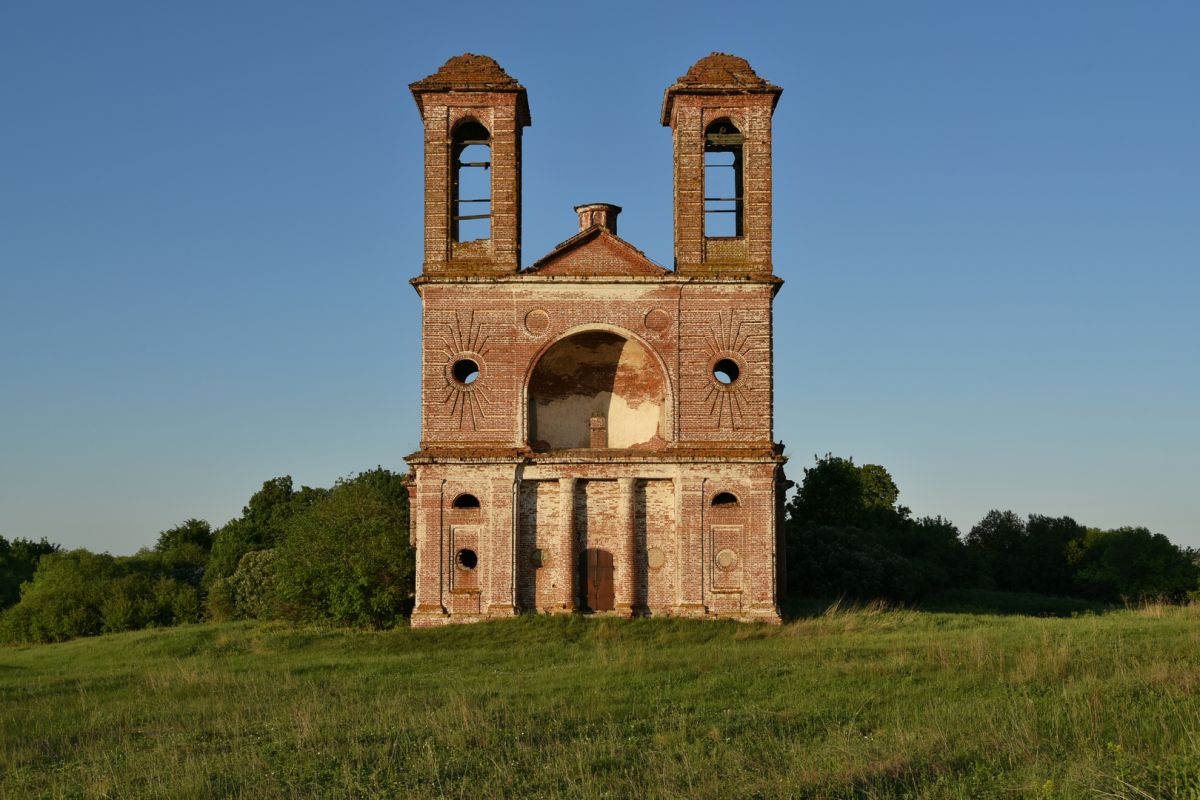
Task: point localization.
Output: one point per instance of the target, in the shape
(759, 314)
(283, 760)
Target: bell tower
(596, 429)
(473, 113)
(720, 117)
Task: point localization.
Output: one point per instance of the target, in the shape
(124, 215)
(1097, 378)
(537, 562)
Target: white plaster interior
(590, 373)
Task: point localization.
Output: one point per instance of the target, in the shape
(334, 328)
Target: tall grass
(853, 702)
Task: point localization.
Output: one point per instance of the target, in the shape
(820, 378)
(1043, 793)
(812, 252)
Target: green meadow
(845, 702)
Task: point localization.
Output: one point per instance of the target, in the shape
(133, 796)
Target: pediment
(596, 252)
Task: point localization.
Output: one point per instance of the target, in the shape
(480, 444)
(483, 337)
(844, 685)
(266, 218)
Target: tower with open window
(720, 115)
(474, 114)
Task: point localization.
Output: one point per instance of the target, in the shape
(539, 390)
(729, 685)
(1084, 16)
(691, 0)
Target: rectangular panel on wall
(654, 525)
(464, 543)
(464, 583)
(726, 557)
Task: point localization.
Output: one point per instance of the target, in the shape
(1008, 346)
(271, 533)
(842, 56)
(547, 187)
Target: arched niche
(597, 379)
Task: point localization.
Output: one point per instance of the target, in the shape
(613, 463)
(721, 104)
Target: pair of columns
(624, 560)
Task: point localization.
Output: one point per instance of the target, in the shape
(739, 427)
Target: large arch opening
(597, 389)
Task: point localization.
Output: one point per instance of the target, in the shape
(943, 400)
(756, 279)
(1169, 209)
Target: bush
(346, 558)
(252, 587)
(831, 561)
(79, 593)
(18, 561)
(219, 605)
(249, 593)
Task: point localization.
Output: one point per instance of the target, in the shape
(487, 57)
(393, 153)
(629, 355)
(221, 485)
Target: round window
(466, 559)
(726, 371)
(465, 371)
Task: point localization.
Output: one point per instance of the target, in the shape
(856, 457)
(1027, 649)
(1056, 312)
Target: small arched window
(724, 500)
(465, 501)
(722, 179)
(471, 182)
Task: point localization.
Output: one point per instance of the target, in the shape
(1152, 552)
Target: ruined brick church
(596, 428)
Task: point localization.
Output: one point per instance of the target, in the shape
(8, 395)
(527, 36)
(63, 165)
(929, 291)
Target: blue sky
(986, 216)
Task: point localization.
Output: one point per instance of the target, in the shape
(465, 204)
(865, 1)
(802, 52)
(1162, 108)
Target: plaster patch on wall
(564, 423)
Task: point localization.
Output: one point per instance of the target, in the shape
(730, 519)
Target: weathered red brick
(672, 436)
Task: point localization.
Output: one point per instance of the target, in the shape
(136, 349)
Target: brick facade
(595, 402)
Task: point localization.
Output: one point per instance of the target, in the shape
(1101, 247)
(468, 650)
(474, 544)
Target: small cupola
(603, 215)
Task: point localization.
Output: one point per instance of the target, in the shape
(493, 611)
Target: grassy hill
(848, 703)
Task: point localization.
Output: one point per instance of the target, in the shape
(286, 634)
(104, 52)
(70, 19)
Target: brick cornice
(676, 278)
(729, 453)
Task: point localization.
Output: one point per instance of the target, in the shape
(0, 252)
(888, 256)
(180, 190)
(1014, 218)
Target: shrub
(219, 605)
(252, 586)
(18, 561)
(346, 558)
(79, 593)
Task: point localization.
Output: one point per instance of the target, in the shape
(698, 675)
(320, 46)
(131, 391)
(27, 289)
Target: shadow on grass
(957, 601)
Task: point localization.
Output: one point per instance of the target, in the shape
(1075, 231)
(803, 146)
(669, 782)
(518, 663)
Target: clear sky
(987, 217)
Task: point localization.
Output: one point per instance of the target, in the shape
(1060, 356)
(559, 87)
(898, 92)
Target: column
(625, 579)
(425, 518)
(762, 540)
(690, 530)
(566, 544)
(502, 538)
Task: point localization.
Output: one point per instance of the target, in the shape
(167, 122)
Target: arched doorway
(597, 389)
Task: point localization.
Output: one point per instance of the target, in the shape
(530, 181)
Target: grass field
(847, 703)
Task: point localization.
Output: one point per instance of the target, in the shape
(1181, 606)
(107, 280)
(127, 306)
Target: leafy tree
(1026, 556)
(1044, 554)
(232, 541)
(934, 547)
(182, 551)
(191, 537)
(219, 605)
(878, 488)
(346, 558)
(1132, 564)
(260, 526)
(847, 535)
(997, 541)
(838, 492)
(18, 561)
(831, 493)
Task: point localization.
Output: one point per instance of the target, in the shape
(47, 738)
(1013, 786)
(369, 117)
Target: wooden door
(598, 579)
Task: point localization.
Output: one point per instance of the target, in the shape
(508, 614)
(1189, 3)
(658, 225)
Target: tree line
(847, 535)
(339, 556)
(342, 556)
